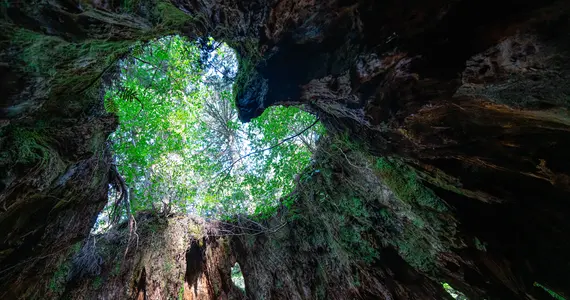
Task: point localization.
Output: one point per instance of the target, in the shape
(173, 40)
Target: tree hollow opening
(180, 147)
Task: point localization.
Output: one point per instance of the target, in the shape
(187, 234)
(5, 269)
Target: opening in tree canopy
(180, 146)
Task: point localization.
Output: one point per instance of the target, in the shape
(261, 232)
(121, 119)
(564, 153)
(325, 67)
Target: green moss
(30, 146)
(246, 70)
(59, 278)
(429, 230)
(46, 55)
(356, 279)
(181, 293)
(116, 269)
(250, 241)
(549, 291)
(248, 57)
(171, 17)
(64, 69)
(97, 282)
(321, 288)
(480, 246)
(345, 143)
(359, 217)
(416, 250)
(130, 5)
(404, 182)
(168, 265)
(110, 105)
(357, 245)
(76, 248)
(195, 230)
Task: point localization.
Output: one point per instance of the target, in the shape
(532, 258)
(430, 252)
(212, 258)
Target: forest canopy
(180, 146)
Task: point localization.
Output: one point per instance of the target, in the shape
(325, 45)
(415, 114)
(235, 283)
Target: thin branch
(228, 169)
(148, 63)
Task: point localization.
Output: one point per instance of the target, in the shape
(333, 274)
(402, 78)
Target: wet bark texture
(460, 107)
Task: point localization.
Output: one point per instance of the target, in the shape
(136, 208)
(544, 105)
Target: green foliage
(180, 146)
(549, 291)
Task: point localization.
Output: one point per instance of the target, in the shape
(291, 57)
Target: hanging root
(117, 181)
(122, 201)
(87, 262)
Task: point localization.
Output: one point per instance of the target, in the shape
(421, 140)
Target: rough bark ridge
(465, 101)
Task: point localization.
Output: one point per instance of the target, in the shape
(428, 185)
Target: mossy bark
(56, 57)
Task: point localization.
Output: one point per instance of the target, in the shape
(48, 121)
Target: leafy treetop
(180, 146)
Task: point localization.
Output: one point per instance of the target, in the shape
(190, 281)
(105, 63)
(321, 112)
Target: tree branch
(228, 169)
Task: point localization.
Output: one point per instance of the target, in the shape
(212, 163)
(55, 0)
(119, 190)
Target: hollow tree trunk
(463, 103)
